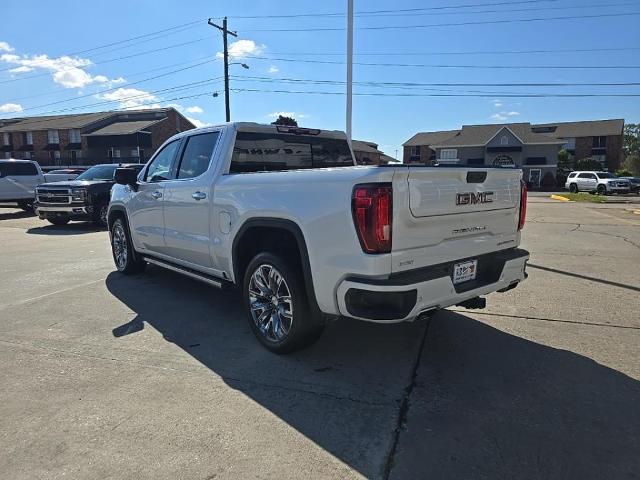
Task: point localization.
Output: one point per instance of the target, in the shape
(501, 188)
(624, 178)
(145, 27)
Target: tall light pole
(349, 66)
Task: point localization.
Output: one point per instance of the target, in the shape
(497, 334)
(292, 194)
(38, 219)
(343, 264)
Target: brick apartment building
(90, 138)
(531, 147)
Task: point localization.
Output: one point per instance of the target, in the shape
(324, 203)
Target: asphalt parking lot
(158, 376)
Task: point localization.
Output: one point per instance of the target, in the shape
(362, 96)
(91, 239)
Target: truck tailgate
(443, 214)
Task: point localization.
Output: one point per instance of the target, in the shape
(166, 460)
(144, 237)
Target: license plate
(465, 271)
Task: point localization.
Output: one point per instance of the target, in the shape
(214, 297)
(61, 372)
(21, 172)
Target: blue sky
(49, 61)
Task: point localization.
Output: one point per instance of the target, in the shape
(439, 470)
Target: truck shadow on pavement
(483, 403)
(73, 228)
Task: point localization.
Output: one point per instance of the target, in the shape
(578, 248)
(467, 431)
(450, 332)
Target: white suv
(18, 181)
(596, 182)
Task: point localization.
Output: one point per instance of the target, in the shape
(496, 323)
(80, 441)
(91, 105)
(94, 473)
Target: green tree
(288, 121)
(631, 145)
(588, 164)
(632, 164)
(565, 166)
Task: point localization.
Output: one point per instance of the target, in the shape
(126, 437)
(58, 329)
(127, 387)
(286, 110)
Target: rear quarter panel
(319, 202)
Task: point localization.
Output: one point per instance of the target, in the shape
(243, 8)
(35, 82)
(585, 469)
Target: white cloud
(502, 116)
(273, 69)
(194, 109)
(198, 123)
(497, 103)
(5, 47)
(243, 48)
(22, 69)
(287, 114)
(66, 71)
(10, 108)
(131, 98)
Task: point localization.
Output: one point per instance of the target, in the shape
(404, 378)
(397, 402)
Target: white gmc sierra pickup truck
(284, 214)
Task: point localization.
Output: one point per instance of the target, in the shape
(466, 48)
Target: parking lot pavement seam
(226, 379)
(40, 297)
(403, 411)
(543, 319)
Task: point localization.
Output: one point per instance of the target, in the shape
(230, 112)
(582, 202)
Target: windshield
(605, 175)
(99, 172)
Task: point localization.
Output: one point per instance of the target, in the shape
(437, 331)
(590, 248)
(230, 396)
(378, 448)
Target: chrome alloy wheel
(270, 303)
(120, 252)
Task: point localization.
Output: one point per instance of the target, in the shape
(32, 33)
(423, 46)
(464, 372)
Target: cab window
(160, 167)
(196, 155)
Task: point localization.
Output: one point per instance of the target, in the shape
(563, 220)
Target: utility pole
(349, 66)
(225, 32)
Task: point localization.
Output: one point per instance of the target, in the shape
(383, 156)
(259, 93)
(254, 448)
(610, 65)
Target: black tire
(100, 214)
(25, 205)
(59, 220)
(573, 188)
(602, 190)
(304, 327)
(126, 259)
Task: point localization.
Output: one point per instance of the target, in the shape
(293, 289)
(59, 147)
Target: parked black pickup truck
(85, 198)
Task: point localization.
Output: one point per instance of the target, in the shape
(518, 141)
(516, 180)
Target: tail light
(371, 205)
(523, 204)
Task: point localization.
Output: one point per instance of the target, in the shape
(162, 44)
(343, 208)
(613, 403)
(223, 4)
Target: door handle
(157, 194)
(199, 195)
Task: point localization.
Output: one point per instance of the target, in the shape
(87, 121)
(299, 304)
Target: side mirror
(126, 176)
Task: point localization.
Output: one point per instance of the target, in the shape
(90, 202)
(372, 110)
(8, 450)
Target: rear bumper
(404, 296)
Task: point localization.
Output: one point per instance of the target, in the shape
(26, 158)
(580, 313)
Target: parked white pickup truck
(283, 213)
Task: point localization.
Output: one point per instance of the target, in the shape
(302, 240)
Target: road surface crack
(404, 406)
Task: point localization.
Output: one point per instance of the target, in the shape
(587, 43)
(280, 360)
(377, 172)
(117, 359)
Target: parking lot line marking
(32, 299)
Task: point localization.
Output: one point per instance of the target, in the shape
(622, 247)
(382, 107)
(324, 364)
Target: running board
(203, 277)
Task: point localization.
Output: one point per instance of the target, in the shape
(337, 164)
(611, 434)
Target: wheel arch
(245, 233)
(115, 212)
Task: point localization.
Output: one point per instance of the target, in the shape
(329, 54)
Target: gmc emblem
(474, 198)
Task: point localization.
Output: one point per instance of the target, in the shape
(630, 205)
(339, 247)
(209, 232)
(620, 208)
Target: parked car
(18, 180)
(283, 214)
(602, 183)
(635, 183)
(85, 198)
(62, 174)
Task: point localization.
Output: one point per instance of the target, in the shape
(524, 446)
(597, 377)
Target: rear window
(572, 174)
(17, 169)
(265, 152)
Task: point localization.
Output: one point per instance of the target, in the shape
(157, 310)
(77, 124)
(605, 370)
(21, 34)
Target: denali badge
(474, 198)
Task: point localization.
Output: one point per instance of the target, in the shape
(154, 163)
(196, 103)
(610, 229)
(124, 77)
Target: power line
(364, 12)
(432, 84)
(468, 52)
(141, 97)
(182, 27)
(44, 74)
(432, 25)
(145, 72)
(422, 12)
(128, 85)
(424, 65)
(377, 94)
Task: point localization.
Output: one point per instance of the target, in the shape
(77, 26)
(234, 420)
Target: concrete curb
(559, 198)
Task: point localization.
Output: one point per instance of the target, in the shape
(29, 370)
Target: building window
(7, 154)
(504, 140)
(536, 161)
(503, 161)
(53, 137)
(414, 153)
(28, 138)
(74, 136)
(600, 158)
(570, 144)
(599, 142)
(27, 155)
(6, 139)
(76, 155)
(54, 156)
(448, 154)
